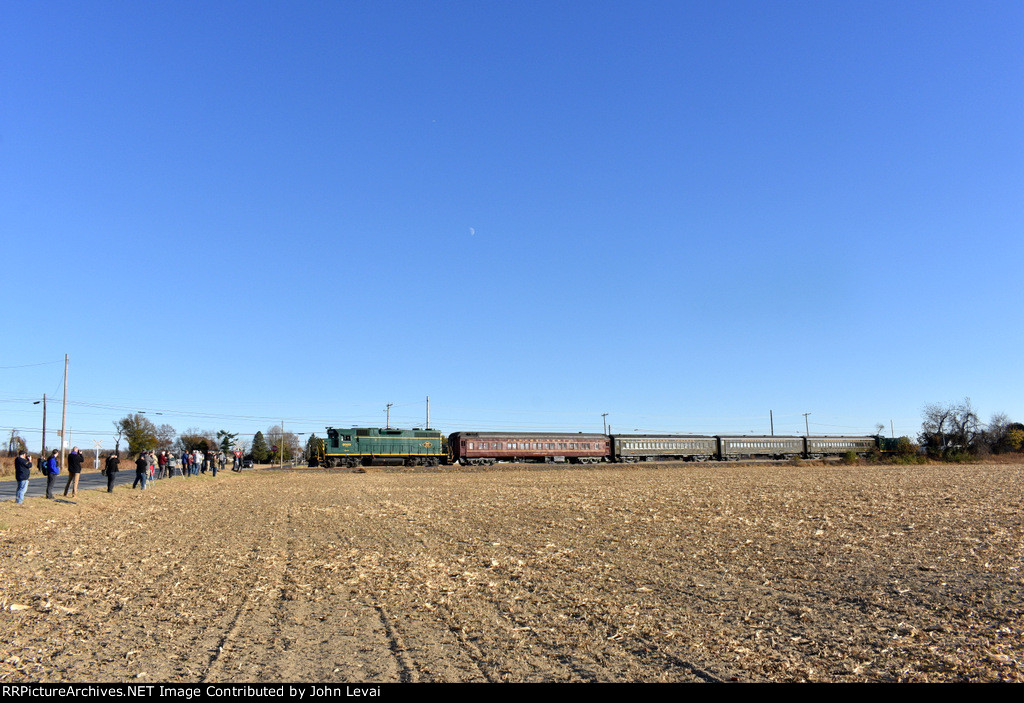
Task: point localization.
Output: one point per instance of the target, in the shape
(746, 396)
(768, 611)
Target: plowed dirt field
(671, 573)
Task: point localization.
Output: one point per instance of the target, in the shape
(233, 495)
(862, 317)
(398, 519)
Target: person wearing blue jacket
(51, 469)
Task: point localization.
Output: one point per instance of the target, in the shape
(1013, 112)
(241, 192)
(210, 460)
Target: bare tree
(165, 435)
(1002, 435)
(118, 435)
(998, 425)
(16, 444)
(949, 429)
(286, 443)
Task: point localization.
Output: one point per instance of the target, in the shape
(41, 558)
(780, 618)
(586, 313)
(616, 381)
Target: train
(374, 446)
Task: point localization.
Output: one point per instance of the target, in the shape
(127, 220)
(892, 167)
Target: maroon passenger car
(491, 447)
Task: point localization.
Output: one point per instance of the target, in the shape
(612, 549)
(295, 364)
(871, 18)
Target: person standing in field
(141, 470)
(161, 461)
(51, 469)
(110, 469)
(22, 472)
(74, 471)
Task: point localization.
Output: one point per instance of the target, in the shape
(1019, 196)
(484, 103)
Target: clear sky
(682, 214)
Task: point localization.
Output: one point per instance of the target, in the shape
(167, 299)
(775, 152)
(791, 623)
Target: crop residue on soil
(679, 573)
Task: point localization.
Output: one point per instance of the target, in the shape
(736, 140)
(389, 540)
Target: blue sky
(682, 214)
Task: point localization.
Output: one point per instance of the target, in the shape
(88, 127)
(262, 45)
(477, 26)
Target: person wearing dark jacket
(141, 470)
(74, 470)
(51, 469)
(111, 470)
(22, 471)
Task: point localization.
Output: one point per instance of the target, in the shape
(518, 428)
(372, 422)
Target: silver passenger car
(760, 447)
(630, 448)
(818, 447)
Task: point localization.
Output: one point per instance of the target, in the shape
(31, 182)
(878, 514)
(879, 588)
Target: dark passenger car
(491, 447)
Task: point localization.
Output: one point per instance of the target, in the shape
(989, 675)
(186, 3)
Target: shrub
(909, 460)
(904, 447)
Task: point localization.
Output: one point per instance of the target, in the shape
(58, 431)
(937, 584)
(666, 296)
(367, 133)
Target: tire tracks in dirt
(305, 624)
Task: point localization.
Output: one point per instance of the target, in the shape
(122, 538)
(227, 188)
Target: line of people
(149, 466)
(50, 467)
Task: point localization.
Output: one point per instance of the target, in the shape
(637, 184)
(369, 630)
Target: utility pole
(64, 414)
(806, 426)
(771, 421)
(428, 414)
(892, 429)
(42, 452)
(604, 422)
(388, 411)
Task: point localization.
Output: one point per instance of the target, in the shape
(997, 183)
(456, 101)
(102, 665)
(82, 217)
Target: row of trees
(955, 432)
(277, 445)
(141, 434)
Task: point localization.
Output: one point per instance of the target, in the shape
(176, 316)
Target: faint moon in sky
(472, 231)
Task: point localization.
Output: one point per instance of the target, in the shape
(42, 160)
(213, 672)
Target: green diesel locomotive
(373, 446)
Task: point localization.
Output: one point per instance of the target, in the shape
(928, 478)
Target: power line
(25, 366)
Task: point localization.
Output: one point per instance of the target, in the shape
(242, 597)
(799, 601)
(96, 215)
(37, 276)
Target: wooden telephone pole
(64, 415)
